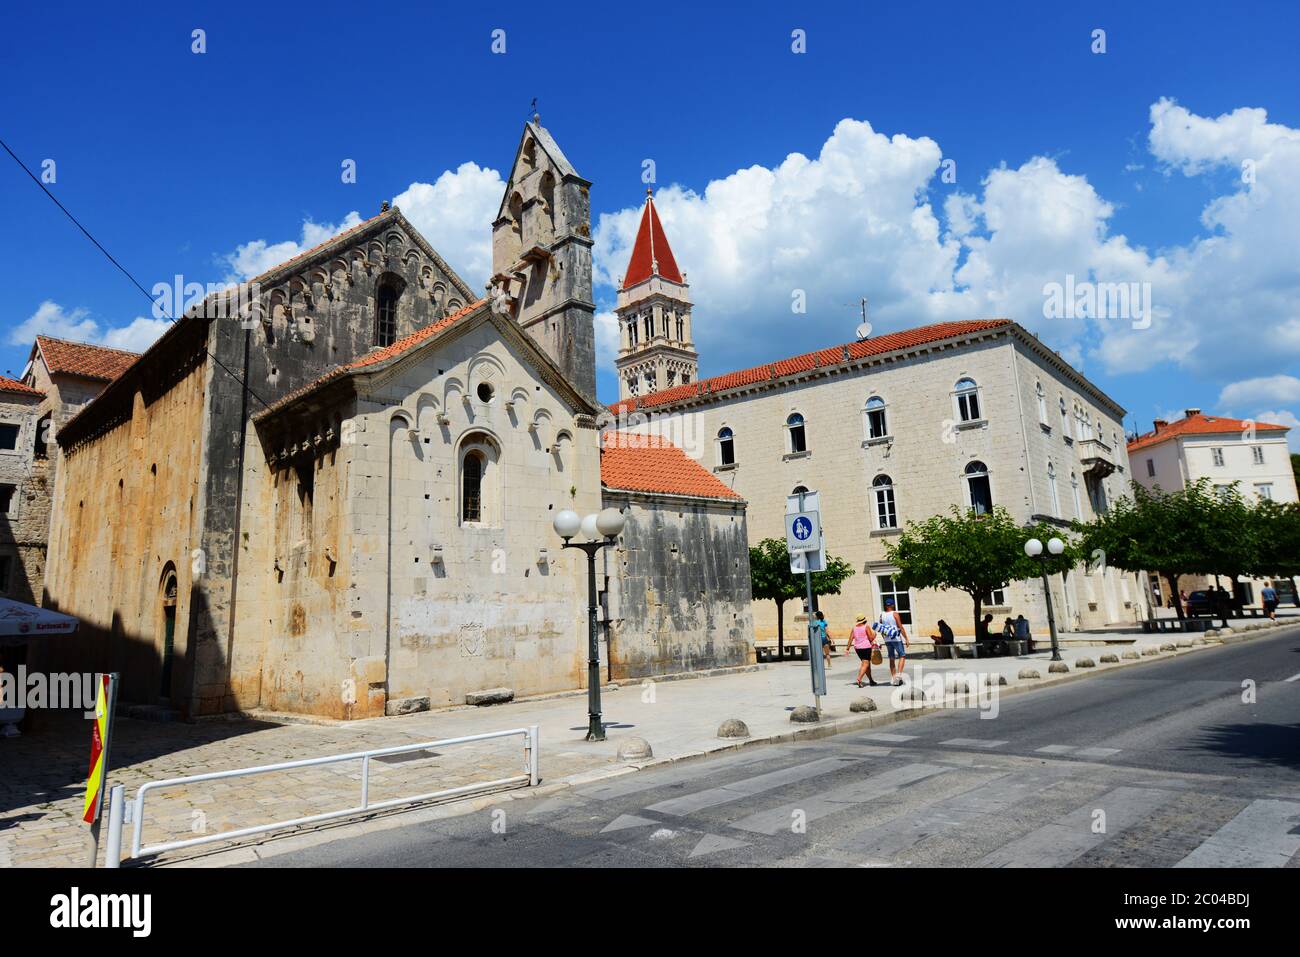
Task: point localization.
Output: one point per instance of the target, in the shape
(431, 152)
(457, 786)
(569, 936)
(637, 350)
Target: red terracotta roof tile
(83, 359)
(651, 254)
(645, 463)
(822, 358)
(1201, 425)
(21, 388)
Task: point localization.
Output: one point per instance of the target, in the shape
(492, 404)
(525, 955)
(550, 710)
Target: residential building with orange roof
(59, 378)
(1253, 456)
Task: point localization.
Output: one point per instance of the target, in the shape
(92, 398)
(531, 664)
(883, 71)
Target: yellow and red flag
(98, 734)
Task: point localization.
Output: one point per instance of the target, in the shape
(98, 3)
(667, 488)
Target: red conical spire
(651, 255)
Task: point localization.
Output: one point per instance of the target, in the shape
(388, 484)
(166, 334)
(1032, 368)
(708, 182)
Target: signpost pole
(815, 660)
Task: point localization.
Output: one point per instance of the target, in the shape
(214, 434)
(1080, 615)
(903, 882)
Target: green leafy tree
(972, 553)
(1276, 531)
(772, 580)
(1295, 466)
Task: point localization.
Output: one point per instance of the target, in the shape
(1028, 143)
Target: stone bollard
(1027, 673)
(805, 714)
(956, 686)
(1110, 659)
(1058, 668)
(1168, 646)
(1131, 653)
(634, 749)
(990, 680)
(733, 728)
(1184, 643)
(1150, 650)
(1084, 663)
(861, 705)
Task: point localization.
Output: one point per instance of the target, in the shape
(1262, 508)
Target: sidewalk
(43, 773)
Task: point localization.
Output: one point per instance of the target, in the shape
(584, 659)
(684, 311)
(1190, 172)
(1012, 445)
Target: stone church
(337, 497)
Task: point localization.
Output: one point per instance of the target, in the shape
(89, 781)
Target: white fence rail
(528, 778)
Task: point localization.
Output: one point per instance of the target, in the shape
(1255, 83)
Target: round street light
(600, 530)
(1034, 549)
(566, 523)
(610, 522)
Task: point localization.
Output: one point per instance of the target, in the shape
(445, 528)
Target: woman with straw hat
(863, 641)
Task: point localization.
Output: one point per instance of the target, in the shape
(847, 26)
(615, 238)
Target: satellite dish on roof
(864, 328)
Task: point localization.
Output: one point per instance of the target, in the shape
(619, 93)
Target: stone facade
(24, 493)
(332, 490)
(807, 422)
(541, 256)
(680, 591)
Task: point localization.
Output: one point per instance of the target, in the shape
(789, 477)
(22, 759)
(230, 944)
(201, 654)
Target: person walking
(862, 640)
(823, 636)
(1268, 595)
(891, 630)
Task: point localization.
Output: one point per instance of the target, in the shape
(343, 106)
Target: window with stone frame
(981, 492)
(797, 440)
(40, 442)
(471, 488)
(967, 395)
(9, 435)
(8, 499)
(387, 293)
(886, 510)
(877, 423)
(726, 447)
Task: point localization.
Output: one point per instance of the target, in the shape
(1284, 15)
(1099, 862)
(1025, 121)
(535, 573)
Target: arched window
(1042, 404)
(877, 425)
(1074, 491)
(799, 490)
(387, 292)
(1065, 420)
(726, 447)
(886, 513)
(631, 333)
(41, 449)
(1051, 485)
(471, 487)
(648, 321)
(681, 330)
(968, 400)
(981, 495)
(794, 427)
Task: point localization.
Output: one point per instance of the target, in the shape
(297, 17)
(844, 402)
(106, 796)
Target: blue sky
(1123, 166)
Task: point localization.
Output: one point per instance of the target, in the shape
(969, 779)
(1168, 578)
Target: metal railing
(528, 778)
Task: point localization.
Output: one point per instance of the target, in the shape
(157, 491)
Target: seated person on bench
(945, 634)
(1022, 633)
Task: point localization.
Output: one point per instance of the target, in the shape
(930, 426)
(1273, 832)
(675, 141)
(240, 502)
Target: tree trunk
(1172, 579)
(780, 631)
(976, 600)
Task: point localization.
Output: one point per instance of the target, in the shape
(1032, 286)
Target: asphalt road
(1190, 761)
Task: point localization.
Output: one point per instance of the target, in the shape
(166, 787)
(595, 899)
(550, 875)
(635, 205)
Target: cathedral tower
(656, 350)
(541, 256)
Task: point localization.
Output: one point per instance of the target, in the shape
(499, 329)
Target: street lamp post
(1034, 549)
(601, 530)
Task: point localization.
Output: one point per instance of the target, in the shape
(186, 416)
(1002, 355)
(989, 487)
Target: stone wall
(679, 590)
(23, 527)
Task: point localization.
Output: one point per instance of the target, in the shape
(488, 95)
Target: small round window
(485, 392)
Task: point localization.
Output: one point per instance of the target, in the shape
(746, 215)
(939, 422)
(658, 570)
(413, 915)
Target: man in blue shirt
(1268, 595)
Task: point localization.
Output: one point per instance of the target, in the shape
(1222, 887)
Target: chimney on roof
(1160, 425)
(1191, 413)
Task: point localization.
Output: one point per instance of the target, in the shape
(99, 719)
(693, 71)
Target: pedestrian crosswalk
(896, 806)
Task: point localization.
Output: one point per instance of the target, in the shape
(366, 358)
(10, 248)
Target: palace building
(892, 428)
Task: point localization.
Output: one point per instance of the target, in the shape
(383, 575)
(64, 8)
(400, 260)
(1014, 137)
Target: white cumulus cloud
(51, 319)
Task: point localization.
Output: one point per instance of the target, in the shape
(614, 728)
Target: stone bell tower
(541, 256)
(656, 349)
